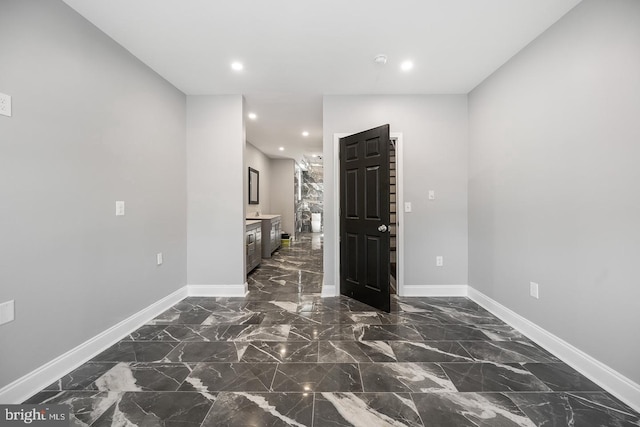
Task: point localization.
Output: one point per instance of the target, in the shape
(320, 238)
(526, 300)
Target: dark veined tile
(172, 316)
(575, 409)
(261, 306)
(170, 333)
(449, 332)
(82, 378)
(233, 318)
(561, 377)
(316, 377)
(479, 377)
(126, 351)
(217, 303)
(158, 409)
(85, 407)
(257, 332)
(342, 303)
(207, 377)
(365, 409)
(355, 351)
(143, 377)
(220, 351)
(502, 333)
(284, 317)
(404, 377)
(261, 409)
(281, 352)
(430, 351)
(350, 317)
(451, 315)
(507, 351)
(321, 332)
(386, 333)
(470, 410)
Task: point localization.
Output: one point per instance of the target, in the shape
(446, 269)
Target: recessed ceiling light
(252, 116)
(305, 133)
(281, 148)
(406, 65)
(237, 66)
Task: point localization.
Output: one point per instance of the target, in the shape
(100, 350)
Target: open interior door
(364, 217)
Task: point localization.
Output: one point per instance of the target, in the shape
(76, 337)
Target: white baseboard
(23, 388)
(615, 383)
(328, 291)
(434, 291)
(218, 290)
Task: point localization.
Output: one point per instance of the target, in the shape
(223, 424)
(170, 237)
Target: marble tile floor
(283, 356)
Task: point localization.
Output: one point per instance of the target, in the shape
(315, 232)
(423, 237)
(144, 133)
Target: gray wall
(283, 192)
(554, 182)
(434, 129)
(216, 189)
(91, 125)
(259, 161)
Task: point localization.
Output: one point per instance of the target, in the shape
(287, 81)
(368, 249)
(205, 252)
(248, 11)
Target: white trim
(336, 211)
(328, 291)
(399, 214)
(23, 388)
(435, 291)
(617, 384)
(218, 290)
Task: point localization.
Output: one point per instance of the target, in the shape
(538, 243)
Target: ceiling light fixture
(380, 59)
(252, 116)
(237, 66)
(305, 133)
(406, 65)
(281, 148)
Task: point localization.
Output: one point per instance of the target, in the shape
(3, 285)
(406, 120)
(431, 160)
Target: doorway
(332, 263)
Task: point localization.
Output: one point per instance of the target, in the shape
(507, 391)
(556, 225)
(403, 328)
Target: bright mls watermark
(34, 415)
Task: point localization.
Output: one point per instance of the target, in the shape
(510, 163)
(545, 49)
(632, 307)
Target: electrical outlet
(432, 195)
(7, 312)
(119, 208)
(159, 258)
(533, 290)
(5, 105)
(439, 261)
(407, 206)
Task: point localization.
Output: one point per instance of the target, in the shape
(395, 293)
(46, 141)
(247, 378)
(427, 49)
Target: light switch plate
(159, 259)
(407, 206)
(7, 312)
(5, 104)
(119, 208)
(432, 195)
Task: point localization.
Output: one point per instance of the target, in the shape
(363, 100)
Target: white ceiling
(294, 51)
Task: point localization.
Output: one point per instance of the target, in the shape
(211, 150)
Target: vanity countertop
(262, 216)
(252, 222)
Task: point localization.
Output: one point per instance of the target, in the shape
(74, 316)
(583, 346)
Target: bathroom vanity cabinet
(271, 231)
(253, 242)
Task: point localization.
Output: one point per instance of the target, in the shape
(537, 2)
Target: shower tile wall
(312, 195)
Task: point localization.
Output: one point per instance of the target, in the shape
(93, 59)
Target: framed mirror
(254, 186)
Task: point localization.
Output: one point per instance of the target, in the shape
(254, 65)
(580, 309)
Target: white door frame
(399, 210)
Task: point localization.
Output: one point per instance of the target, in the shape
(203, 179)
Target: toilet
(316, 222)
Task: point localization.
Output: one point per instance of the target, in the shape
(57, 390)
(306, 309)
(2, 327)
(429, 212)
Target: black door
(364, 217)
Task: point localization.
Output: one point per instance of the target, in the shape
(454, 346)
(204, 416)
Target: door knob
(382, 228)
